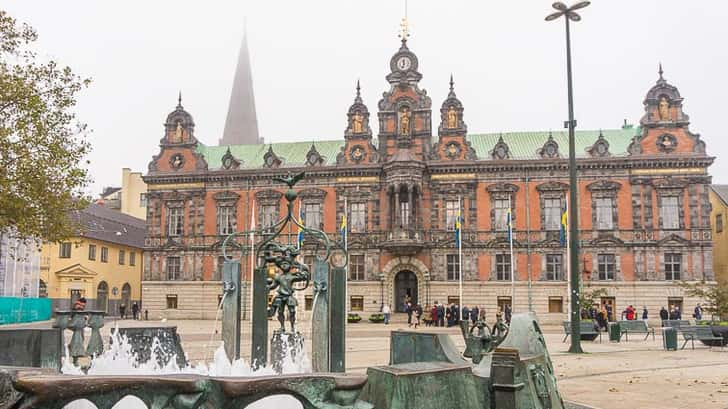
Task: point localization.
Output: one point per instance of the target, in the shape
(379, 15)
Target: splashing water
(118, 359)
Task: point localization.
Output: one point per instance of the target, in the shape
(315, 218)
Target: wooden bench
(586, 328)
(635, 326)
(699, 333)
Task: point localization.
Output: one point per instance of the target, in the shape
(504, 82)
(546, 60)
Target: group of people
(134, 311)
(675, 314)
(441, 315)
(603, 314)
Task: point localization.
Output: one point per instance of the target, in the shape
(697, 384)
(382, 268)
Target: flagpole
(568, 259)
(460, 255)
(252, 254)
(346, 249)
(510, 243)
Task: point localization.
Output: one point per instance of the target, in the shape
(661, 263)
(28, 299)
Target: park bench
(587, 328)
(699, 333)
(635, 326)
(677, 324)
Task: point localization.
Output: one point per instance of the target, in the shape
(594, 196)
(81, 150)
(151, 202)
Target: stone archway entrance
(405, 286)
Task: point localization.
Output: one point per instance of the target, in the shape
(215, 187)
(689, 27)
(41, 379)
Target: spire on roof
(179, 100)
(241, 124)
(660, 71)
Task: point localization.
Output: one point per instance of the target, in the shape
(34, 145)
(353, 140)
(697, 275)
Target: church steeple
(241, 125)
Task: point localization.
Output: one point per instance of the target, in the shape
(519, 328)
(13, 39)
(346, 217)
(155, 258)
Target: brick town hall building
(643, 205)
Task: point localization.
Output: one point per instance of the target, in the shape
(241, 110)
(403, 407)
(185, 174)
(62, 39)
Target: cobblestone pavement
(634, 374)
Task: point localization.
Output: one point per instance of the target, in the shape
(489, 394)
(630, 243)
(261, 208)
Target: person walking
(122, 311)
(435, 316)
(678, 313)
(409, 311)
(418, 315)
(644, 313)
(663, 313)
(441, 315)
(698, 313)
(508, 313)
(135, 311)
(474, 315)
(386, 311)
(465, 316)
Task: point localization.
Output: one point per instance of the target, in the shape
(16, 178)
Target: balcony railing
(405, 241)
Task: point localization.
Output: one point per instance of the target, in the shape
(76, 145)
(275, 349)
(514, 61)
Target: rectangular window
(104, 254)
(554, 269)
(308, 302)
(356, 302)
(174, 221)
(453, 267)
(312, 215)
(171, 301)
(132, 258)
(670, 213)
(552, 214)
(503, 267)
(501, 214)
(356, 267)
(225, 220)
(173, 268)
(675, 302)
(719, 223)
(270, 215)
(607, 265)
(122, 256)
(404, 209)
(64, 250)
(92, 252)
(218, 271)
(453, 299)
(142, 199)
(673, 265)
(604, 207)
(451, 213)
(556, 304)
(358, 217)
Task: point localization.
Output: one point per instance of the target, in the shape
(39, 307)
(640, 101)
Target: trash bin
(669, 338)
(614, 333)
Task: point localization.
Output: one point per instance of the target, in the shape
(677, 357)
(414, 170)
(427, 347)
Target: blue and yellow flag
(563, 227)
(509, 224)
(300, 229)
(342, 229)
(458, 228)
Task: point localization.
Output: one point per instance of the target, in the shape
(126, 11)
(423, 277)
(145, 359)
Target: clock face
(404, 63)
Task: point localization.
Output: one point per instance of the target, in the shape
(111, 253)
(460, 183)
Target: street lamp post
(569, 13)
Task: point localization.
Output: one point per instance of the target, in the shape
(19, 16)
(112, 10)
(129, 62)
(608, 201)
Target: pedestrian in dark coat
(474, 314)
(508, 313)
(663, 314)
(644, 313)
(441, 315)
(408, 309)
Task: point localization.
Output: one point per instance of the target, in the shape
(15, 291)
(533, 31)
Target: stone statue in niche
(452, 118)
(177, 137)
(404, 121)
(664, 109)
(357, 122)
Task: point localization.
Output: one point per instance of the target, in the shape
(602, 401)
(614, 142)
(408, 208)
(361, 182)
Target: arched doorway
(126, 296)
(405, 285)
(102, 296)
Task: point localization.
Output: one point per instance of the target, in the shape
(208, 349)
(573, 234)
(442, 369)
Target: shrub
(376, 318)
(353, 318)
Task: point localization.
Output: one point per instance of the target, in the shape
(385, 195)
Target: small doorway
(612, 304)
(502, 302)
(102, 297)
(405, 289)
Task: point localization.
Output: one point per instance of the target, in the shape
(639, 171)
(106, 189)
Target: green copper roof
(522, 145)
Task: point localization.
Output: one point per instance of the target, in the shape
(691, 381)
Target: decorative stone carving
(357, 154)
(550, 149)
(666, 143)
(270, 159)
(600, 148)
(500, 150)
(313, 158)
(452, 150)
(229, 161)
(177, 161)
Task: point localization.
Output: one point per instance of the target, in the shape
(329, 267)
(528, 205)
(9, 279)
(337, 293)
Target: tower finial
(358, 88)
(404, 25)
(660, 71)
(179, 100)
(452, 83)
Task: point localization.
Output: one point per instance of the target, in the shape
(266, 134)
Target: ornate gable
(358, 147)
(452, 143)
(178, 146)
(501, 150)
(313, 158)
(270, 159)
(229, 161)
(600, 149)
(550, 149)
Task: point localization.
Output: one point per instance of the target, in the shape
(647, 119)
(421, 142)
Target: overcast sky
(508, 63)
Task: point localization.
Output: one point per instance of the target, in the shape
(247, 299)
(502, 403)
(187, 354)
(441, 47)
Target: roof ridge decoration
(600, 148)
(358, 146)
(270, 159)
(663, 105)
(229, 161)
(313, 158)
(452, 143)
(179, 128)
(550, 149)
(500, 151)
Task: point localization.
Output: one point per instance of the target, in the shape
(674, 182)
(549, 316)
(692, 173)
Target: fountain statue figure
(290, 271)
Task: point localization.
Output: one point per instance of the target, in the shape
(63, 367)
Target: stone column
(397, 218)
(410, 206)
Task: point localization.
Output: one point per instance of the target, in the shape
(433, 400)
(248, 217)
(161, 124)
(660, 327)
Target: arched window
(102, 296)
(42, 289)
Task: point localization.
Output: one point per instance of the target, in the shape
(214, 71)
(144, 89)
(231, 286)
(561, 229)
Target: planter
(353, 318)
(376, 318)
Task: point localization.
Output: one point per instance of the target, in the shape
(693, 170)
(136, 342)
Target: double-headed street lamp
(569, 13)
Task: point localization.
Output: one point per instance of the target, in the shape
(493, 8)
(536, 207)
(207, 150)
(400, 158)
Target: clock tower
(405, 110)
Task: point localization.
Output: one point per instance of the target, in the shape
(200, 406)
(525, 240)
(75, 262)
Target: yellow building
(103, 263)
(130, 198)
(719, 202)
